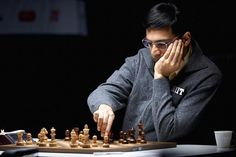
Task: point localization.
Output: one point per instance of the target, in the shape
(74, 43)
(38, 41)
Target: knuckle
(112, 115)
(100, 120)
(172, 64)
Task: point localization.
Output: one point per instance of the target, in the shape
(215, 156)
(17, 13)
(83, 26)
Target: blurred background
(53, 53)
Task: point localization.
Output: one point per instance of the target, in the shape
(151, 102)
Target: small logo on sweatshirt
(178, 90)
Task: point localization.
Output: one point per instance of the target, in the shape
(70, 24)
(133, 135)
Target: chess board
(64, 147)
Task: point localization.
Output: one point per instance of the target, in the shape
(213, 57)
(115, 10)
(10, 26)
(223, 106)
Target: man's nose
(155, 50)
(154, 47)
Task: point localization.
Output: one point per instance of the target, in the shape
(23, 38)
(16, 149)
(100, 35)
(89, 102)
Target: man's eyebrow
(162, 40)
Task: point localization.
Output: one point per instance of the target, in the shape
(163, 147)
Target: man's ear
(186, 38)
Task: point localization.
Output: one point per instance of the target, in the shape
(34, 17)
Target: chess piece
(67, 135)
(20, 141)
(41, 138)
(143, 141)
(138, 140)
(124, 138)
(132, 136)
(44, 133)
(29, 140)
(121, 137)
(53, 142)
(73, 142)
(94, 143)
(140, 130)
(81, 134)
(128, 135)
(86, 142)
(140, 125)
(141, 134)
(77, 132)
(106, 142)
(110, 136)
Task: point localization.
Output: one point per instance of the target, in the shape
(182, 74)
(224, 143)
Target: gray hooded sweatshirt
(169, 109)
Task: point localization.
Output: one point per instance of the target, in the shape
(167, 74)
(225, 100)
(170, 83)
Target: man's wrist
(105, 106)
(158, 76)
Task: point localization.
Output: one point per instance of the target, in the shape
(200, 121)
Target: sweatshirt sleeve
(115, 91)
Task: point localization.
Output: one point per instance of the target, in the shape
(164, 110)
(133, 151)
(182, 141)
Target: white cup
(223, 138)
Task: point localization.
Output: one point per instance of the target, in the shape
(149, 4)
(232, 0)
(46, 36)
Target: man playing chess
(167, 85)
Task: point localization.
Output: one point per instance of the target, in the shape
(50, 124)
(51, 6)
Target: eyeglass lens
(160, 45)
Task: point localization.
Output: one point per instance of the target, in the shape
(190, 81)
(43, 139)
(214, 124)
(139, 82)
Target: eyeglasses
(159, 44)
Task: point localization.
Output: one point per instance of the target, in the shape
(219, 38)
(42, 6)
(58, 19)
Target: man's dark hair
(166, 14)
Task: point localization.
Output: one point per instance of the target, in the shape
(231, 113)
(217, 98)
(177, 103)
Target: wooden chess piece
(132, 136)
(29, 140)
(81, 134)
(73, 142)
(53, 142)
(110, 137)
(67, 135)
(128, 135)
(86, 142)
(94, 143)
(121, 137)
(77, 132)
(143, 141)
(140, 130)
(44, 133)
(20, 141)
(41, 141)
(106, 142)
(140, 125)
(125, 138)
(138, 140)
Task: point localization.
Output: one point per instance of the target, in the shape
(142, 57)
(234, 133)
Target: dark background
(46, 79)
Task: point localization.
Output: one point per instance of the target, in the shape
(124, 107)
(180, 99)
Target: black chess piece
(121, 137)
(67, 135)
(143, 141)
(125, 138)
(132, 136)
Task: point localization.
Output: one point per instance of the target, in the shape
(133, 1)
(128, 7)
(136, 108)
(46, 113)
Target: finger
(95, 116)
(109, 123)
(177, 53)
(104, 123)
(100, 120)
(167, 53)
(181, 57)
(173, 51)
(99, 124)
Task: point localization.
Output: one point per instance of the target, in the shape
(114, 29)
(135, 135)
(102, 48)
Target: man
(167, 85)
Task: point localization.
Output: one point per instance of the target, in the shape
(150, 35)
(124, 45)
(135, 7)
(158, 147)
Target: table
(182, 150)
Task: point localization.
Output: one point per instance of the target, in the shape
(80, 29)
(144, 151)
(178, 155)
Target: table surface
(179, 150)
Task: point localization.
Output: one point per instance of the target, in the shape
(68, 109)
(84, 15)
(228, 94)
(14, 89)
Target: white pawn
(94, 143)
(20, 141)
